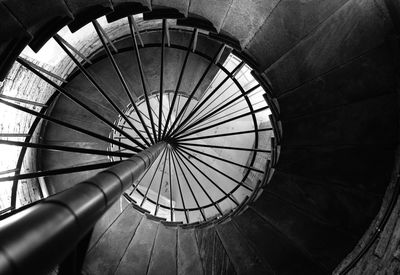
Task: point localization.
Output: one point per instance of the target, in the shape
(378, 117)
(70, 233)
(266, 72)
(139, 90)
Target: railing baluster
(179, 186)
(201, 186)
(132, 27)
(67, 125)
(178, 85)
(190, 188)
(152, 178)
(120, 76)
(98, 88)
(78, 102)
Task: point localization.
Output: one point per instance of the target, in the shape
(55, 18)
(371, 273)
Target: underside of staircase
(326, 200)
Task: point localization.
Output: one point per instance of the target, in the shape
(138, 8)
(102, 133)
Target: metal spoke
(132, 27)
(67, 125)
(161, 78)
(222, 122)
(77, 101)
(201, 186)
(183, 110)
(222, 159)
(217, 110)
(211, 94)
(205, 123)
(99, 89)
(170, 185)
(179, 84)
(159, 189)
(179, 187)
(190, 188)
(226, 134)
(61, 171)
(120, 76)
(66, 148)
(21, 100)
(207, 177)
(152, 178)
(220, 172)
(225, 147)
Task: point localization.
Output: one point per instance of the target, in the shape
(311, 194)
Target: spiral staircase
(271, 130)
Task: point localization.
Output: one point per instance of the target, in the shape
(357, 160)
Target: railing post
(38, 238)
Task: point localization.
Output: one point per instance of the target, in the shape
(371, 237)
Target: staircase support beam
(36, 239)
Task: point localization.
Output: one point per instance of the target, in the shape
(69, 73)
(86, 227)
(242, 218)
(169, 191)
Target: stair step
(180, 5)
(243, 257)
(123, 8)
(164, 256)
(137, 256)
(42, 19)
(105, 256)
(274, 248)
(214, 10)
(244, 18)
(86, 11)
(107, 220)
(189, 261)
(359, 20)
(286, 25)
(205, 242)
(17, 37)
(323, 242)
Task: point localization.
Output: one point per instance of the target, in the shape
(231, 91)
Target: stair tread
(105, 256)
(189, 261)
(275, 250)
(137, 256)
(164, 256)
(242, 256)
(42, 19)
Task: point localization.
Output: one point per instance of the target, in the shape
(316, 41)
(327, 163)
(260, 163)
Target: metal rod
(13, 135)
(23, 100)
(99, 89)
(103, 32)
(207, 177)
(199, 184)
(179, 187)
(226, 147)
(33, 65)
(170, 184)
(221, 107)
(222, 122)
(178, 85)
(190, 188)
(77, 101)
(66, 148)
(152, 178)
(220, 172)
(226, 134)
(181, 113)
(205, 123)
(120, 76)
(196, 109)
(159, 189)
(65, 218)
(132, 27)
(72, 48)
(137, 31)
(67, 125)
(60, 171)
(222, 159)
(9, 171)
(160, 106)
